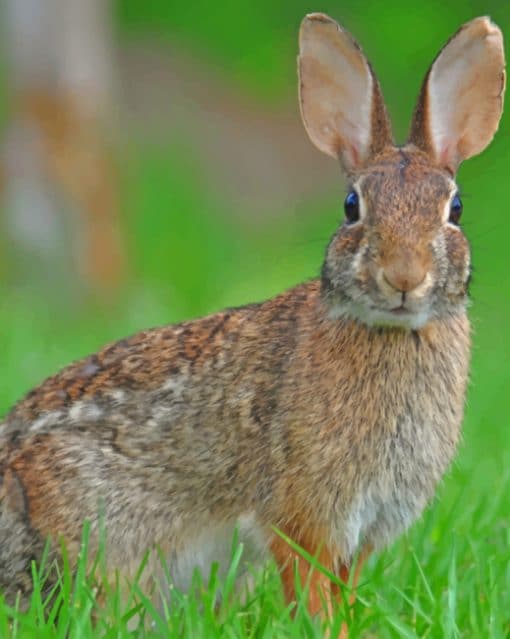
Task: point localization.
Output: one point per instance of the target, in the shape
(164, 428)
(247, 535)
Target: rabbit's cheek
(459, 260)
(344, 250)
(453, 269)
(358, 269)
(440, 251)
(343, 271)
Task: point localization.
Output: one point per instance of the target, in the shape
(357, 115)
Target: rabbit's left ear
(461, 99)
(341, 101)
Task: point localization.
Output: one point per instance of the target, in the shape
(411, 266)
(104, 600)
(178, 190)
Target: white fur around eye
(447, 207)
(361, 201)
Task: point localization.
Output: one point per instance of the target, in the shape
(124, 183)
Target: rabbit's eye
(455, 210)
(351, 207)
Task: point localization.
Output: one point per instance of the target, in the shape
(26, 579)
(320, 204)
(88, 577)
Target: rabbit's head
(400, 257)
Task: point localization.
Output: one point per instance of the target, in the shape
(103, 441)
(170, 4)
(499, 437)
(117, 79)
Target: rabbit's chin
(372, 316)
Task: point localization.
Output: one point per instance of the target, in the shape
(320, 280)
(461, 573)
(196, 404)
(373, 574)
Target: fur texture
(330, 412)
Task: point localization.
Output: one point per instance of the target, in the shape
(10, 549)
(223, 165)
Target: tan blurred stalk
(59, 181)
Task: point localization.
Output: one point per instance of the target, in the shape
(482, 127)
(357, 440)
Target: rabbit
(328, 413)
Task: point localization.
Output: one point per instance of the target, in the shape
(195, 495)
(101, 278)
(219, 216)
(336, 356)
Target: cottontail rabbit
(330, 412)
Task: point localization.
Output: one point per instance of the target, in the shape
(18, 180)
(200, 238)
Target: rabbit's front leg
(349, 574)
(322, 592)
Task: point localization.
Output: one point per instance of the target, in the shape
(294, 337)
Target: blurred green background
(224, 201)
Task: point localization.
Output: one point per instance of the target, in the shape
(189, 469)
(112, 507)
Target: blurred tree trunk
(59, 183)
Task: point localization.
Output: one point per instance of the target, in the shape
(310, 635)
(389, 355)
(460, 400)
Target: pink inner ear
(355, 156)
(445, 156)
(337, 89)
(464, 93)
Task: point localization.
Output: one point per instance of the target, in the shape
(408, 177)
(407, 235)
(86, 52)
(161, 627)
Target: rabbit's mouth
(407, 315)
(400, 310)
(402, 316)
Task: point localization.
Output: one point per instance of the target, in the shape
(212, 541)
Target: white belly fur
(214, 546)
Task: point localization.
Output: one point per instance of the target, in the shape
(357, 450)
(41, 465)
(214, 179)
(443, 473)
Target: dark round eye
(351, 207)
(455, 210)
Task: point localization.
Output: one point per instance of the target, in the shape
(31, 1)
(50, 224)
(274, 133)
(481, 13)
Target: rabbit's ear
(461, 99)
(341, 102)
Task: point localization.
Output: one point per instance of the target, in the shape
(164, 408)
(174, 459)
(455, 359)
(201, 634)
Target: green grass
(450, 577)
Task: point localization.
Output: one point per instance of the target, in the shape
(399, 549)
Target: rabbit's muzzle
(405, 272)
(404, 280)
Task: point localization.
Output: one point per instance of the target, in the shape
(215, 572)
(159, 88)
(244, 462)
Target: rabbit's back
(169, 427)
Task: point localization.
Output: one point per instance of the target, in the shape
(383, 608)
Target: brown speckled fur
(302, 412)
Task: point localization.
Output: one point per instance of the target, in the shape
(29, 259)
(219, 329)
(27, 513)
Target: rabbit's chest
(407, 466)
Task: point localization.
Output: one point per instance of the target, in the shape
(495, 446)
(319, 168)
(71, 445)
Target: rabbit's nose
(404, 275)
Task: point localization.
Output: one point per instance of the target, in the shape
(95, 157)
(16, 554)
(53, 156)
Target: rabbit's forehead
(403, 184)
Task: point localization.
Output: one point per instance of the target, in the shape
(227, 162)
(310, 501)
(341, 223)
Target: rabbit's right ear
(341, 102)
(461, 100)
